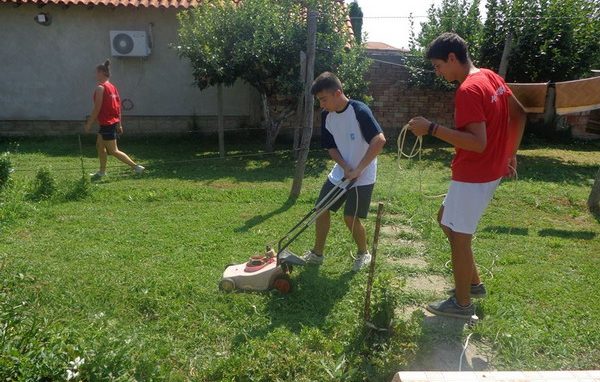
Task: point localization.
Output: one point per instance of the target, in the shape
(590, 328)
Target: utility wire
(500, 18)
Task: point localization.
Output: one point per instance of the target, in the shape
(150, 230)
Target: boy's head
(449, 54)
(328, 90)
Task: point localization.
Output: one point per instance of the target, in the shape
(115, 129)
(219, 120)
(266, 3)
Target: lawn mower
(272, 269)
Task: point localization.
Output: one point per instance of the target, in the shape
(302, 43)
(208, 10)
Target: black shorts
(357, 199)
(108, 132)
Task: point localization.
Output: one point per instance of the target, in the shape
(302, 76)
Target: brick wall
(395, 102)
(579, 126)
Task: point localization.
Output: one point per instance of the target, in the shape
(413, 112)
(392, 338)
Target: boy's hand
(512, 167)
(351, 174)
(87, 127)
(419, 126)
(120, 129)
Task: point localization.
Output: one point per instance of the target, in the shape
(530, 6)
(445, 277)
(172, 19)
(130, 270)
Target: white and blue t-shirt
(350, 131)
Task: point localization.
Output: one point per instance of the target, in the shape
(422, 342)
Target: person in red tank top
(489, 124)
(107, 112)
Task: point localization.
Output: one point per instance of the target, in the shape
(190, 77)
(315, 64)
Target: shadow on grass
(185, 157)
(582, 235)
(259, 219)
(535, 168)
(268, 167)
(507, 230)
(441, 344)
(565, 234)
(308, 305)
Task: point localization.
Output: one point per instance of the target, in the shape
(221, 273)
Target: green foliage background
(259, 41)
(553, 40)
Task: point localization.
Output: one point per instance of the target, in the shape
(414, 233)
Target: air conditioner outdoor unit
(129, 44)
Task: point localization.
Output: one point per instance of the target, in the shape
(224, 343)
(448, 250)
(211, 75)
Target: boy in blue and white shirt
(353, 139)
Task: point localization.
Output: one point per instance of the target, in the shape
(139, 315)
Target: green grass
(125, 274)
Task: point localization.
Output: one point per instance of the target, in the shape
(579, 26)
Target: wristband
(435, 129)
(431, 126)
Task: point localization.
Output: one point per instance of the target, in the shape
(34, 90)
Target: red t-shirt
(483, 97)
(110, 111)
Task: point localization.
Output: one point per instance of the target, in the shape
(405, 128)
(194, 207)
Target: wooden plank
(498, 376)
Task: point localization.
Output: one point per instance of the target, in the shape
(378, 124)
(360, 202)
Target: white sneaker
(361, 261)
(139, 169)
(312, 258)
(98, 175)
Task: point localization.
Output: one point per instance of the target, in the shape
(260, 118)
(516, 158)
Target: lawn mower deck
(261, 273)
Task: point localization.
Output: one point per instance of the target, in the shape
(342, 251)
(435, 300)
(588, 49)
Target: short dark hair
(104, 68)
(326, 81)
(445, 44)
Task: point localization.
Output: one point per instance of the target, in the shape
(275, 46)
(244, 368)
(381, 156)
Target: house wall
(47, 72)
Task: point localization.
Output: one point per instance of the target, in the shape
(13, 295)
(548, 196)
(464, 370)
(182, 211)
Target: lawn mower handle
(328, 200)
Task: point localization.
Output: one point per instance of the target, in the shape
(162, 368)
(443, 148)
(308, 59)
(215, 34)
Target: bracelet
(431, 126)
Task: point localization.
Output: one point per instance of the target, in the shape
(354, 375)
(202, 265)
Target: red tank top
(110, 111)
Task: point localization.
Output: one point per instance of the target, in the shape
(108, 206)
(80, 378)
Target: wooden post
(309, 105)
(300, 108)
(372, 265)
(220, 124)
(593, 202)
(505, 55)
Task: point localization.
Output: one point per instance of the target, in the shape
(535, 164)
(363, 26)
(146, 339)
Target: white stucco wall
(47, 72)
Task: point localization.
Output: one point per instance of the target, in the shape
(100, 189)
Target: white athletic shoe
(361, 261)
(312, 258)
(139, 169)
(98, 175)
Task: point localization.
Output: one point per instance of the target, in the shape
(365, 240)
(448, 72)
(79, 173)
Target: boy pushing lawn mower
(353, 139)
(489, 126)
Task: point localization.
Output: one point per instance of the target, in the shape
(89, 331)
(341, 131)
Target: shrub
(44, 185)
(79, 189)
(5, 170)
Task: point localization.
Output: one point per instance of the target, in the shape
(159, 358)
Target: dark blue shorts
(357, 199)
(108, 132)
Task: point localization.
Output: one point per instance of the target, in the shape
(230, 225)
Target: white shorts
(465, 203)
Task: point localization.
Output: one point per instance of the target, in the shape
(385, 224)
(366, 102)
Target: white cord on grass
(464, 350)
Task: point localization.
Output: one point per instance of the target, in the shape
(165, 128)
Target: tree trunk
(272, 124)
(594, 199)
(220, 124)
(300, 107)
(505, 55)
(268, 123)
(309, 102)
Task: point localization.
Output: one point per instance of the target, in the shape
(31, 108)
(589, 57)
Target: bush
(79, 190)
(44, 185)
(5, 170)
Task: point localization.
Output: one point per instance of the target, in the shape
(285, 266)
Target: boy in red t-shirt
(489, 126)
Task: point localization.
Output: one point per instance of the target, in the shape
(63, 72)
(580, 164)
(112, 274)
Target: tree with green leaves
(459, 16)
(553, 40)
(356, 18)
(493, 35)
(258, 41)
